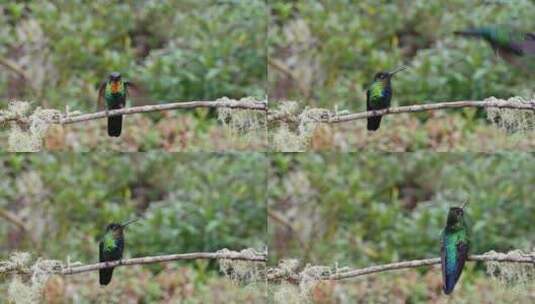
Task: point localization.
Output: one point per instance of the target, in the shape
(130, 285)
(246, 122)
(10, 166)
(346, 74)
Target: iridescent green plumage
(114, 91)
(378, 96)
(454, 248)
(111, 249)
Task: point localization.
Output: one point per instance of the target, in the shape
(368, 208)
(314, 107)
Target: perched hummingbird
(453, 248)
(111, 248)
(114, 91)
(379, 94)
(506, 42)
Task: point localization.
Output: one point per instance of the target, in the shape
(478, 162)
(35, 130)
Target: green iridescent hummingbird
(379, 94)
(111, 248)
(114, 90)
(454, 248)
(508, 43)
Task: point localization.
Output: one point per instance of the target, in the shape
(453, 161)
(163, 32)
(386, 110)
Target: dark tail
(105, 276)
(374, 123)
(115, 125)
(449, 285)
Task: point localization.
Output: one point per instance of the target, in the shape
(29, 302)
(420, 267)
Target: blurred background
(56, 206)
(55, 53)
(324, 54)
(359, 210)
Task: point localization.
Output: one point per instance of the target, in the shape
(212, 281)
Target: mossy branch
(326, 273)
(220, 103)
(58, 268)
(332, 117)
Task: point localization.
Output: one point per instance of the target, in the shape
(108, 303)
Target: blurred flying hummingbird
(506, 42)
(111, 248)
(114, 91)
(454, 248)
(379, 94)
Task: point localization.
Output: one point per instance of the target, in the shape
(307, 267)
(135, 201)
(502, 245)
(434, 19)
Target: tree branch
(220, 103)
(13, 218)
(329, 117)
(57, 267)
(166, 258)
(514, 257)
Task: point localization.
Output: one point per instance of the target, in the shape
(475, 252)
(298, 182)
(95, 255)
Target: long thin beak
(398, 69)
(464, 205)
(129, 222)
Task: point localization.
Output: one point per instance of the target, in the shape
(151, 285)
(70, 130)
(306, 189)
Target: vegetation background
(324, 54)
(359, 210)
(189, 203)
(174, 50)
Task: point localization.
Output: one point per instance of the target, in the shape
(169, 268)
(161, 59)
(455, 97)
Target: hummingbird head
(455, 217)
(117, 229)
(115, 76)
(386, 76)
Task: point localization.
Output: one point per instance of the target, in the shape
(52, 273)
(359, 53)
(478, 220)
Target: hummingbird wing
(452, 264)
(137, 93)
(101, 89)
(104, 275)
(462, 256)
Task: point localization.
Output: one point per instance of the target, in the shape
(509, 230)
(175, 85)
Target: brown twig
(166, 258)
(223, 103)
(489, 257)
(491, 103)
(10, 217)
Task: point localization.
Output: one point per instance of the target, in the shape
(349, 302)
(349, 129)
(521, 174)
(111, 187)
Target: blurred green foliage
(335, 48)
(361, 209)
(188, 202)
(175, 50)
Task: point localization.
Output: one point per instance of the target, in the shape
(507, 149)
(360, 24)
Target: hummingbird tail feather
(115, 125)
(374, 123)
(105, 276)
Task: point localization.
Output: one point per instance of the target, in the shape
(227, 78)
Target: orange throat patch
(115, 86)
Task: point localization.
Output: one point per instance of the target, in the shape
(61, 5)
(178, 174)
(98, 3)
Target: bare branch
(221, 103)
(330, 117)
(233, 104)
(166, 258)
(58, 268)
(276, 274)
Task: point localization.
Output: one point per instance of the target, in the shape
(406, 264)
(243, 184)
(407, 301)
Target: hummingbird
(114, 90)
(111, 248)
(453, 248)
(379, 94)
(507, 43)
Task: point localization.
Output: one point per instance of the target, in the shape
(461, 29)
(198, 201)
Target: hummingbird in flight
(111, 248)
(379, 94)
(454, 248)
(508, 43)
(114, 90)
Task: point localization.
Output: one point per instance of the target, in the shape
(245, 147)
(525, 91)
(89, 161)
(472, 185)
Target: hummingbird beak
(129, 222)
(464, 205)
(398, 69)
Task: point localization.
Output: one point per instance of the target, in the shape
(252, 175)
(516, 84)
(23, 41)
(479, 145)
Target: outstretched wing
(101, 89)
(136, 93)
